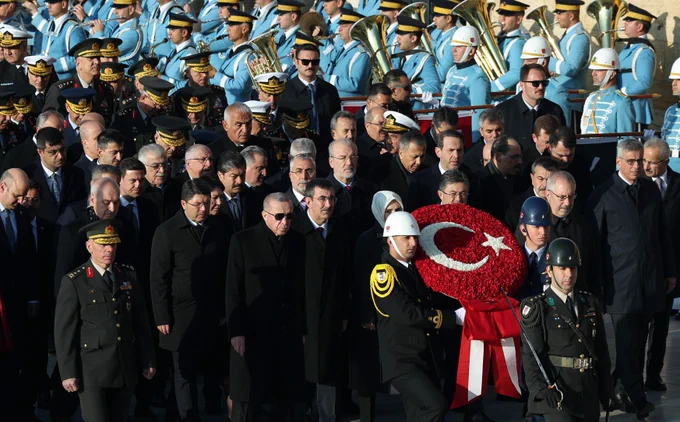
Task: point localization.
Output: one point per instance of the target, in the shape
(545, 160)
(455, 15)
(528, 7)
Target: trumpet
(163, 41)
(88, 23)
(212, 20)
(205, 46)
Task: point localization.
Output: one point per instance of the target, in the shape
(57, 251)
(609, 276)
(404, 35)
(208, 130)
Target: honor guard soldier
(537, 50)
(265, 14)
(191, 103)
(350, 69)
(77, 102)
(419, 65)
(39, 73)
(86, 55)
(568, 375)
(288, 16)
(122, 85)
(607, 110)
(172, 133)
(261, 117)
(638, 62)
(405, 310)
(230, 69)
(60, 34)
(445, 26)
(466, 84)
(511, 39)
(155, 32)
(670, 131)
(390, 9)
(270, 86)
(135, 121)
(218, 39)
(197, 74)
(179, 34)
(570, 73)
(102, 330)
(128, 30)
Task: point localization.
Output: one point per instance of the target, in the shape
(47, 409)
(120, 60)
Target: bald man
(88, 144)
(75, 151)
(372, 152)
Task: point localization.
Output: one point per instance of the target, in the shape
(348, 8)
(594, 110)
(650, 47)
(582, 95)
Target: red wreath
(467, 254)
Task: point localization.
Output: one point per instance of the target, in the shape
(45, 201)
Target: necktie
(533, 115)
(282, 40)
(314, 123)
(9, 229)
(157, 13)
(570, 306)
(533, 265)
(633, 192)
(303, 205)
(108, 280)
(328, 23)
(348, 188)
(321, 232)
(199, 230)
(135, 222)
(56, 188)
(236, 212)
(661, 185)
(41, 97)
(51, 27)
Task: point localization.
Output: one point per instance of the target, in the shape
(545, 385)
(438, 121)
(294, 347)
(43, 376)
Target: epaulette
(216, 88)
(123, 112)
(585, 293)
(127, 102)
(383, 278)
(127, 267)
(129, 78)
(621, 94)
(74, 274)
(531, 309)
(63, 84)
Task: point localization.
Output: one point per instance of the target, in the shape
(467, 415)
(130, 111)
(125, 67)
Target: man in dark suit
(60, 183)
(379, 95)
(103, 335)
(324, 97)
(491, 127)
(562, 147)
(655, 165)
(540, 171)
(242, 206)
(27, 152)
(302, 171)
(636, 264)
(265, 314)
(443, 119)
(158, 182)
(544, 126)
(373, 152)
(187, 287)
(89, 132)
(499, 180)
(521, 111)
(404, 165)
(198, 162)
(534, 227)
(18, 287)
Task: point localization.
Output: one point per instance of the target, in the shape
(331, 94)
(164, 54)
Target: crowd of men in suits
(240, 216)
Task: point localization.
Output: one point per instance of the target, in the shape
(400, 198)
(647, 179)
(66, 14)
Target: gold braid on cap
(23, 105)
(161, 100)
(262, 118)
(108, 75)
(300, 121)
(105, 239)
(392, 126)
(8, 40)
(94, 51)
(203, 65)
(174, 139)
(41, 68)
(194, 105)
(83, 107)
(147, 70)
(7, 109)
(111, 50)
(274, 86)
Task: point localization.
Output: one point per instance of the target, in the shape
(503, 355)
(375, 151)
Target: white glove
(648, 134)
(426, 98)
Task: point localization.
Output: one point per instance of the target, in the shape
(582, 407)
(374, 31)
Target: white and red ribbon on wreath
(490, 339)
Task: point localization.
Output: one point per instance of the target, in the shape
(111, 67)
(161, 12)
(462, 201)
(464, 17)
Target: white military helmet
(605, 59)
(536, 48)
(466, 36)
(675, 70)
(401, 223)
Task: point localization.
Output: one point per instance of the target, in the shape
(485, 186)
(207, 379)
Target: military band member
(419, 66)
(128, 30)
(607, 110)
(60, 34)
(155, 31)
(466, 84)
(288, 17)
(218, 39)
(537, 50)
(77, 102)
(390, 9)
(92, 10)
(179, 34)
(265, 14)
(638, 62)
(369, 7)
(350, 69)
(574, 46)
(114, 74)
(670, 131)
(208, 17)
(332, 9)
(104, 335)
(230, 69)
(511, 39)
(405, 309)
(566, 329)
(39, 73)
(445, 26)
(192, 104)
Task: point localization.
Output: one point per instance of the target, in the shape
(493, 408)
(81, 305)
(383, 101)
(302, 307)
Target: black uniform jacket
(103, 336)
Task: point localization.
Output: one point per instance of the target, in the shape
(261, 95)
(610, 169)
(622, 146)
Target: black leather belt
(574, 363)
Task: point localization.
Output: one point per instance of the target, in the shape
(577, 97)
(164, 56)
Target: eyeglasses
(156, 166)
(381, 124)
(204, 160)
(633, 162)
(345, 157)
(280, 216)
(563, 198)
(307, 62)
(199, 205)
(324, 199)
(536, 84)
(307, 172)
(653, 163)
(53, 152)
(460, 195)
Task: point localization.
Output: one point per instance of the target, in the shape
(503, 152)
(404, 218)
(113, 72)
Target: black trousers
(366, 407)
(277, 412)
(630, 331)
(566, 417)
(423, 400)
(9, 368)
(33, 364)
(63, 404)
(185, 385)
(658, 331)
(105, 404)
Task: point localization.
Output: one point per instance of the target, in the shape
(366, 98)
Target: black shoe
(476, 417)
(624, 403)
(144, 413)
(644, 408)
(213, 407)
(656, 384)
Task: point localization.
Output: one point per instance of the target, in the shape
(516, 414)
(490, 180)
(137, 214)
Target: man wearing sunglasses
(522, 110)
(265, 317)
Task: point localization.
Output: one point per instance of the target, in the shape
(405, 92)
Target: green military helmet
(563, 252)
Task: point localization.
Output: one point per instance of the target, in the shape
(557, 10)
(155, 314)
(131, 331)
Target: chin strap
(396, 248)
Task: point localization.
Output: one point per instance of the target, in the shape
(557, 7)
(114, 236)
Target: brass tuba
(607, 13)
(538, 14)
(488, 55)
(371, 33)
(263, 58)
(312, 19)
(418, 11)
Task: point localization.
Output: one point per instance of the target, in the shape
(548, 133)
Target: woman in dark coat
(364, 362)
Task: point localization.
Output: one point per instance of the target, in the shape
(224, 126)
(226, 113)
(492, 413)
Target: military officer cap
(406, 25)
(512, 8)
(23, 98)
(109, 47)
(303, 39)
(6, 104)
(296, 112)
(396, 122)
(350, 17)
(204, 137)
(157, 89)
(259, 110)
(638, 14)
(40, 65)
(272, 83)
(102, 232)
(288, 6)
(388, 5)
(563, 252)
(236, 17)
(90, 47)
(144, 67)
(111, 71)
(171, 129)
(194, 99)
(199, 62)
(179, 21)
(119, 4)
(567, 6)
(228, 3)
(79, 99)
(13, 37)
(442, 7)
